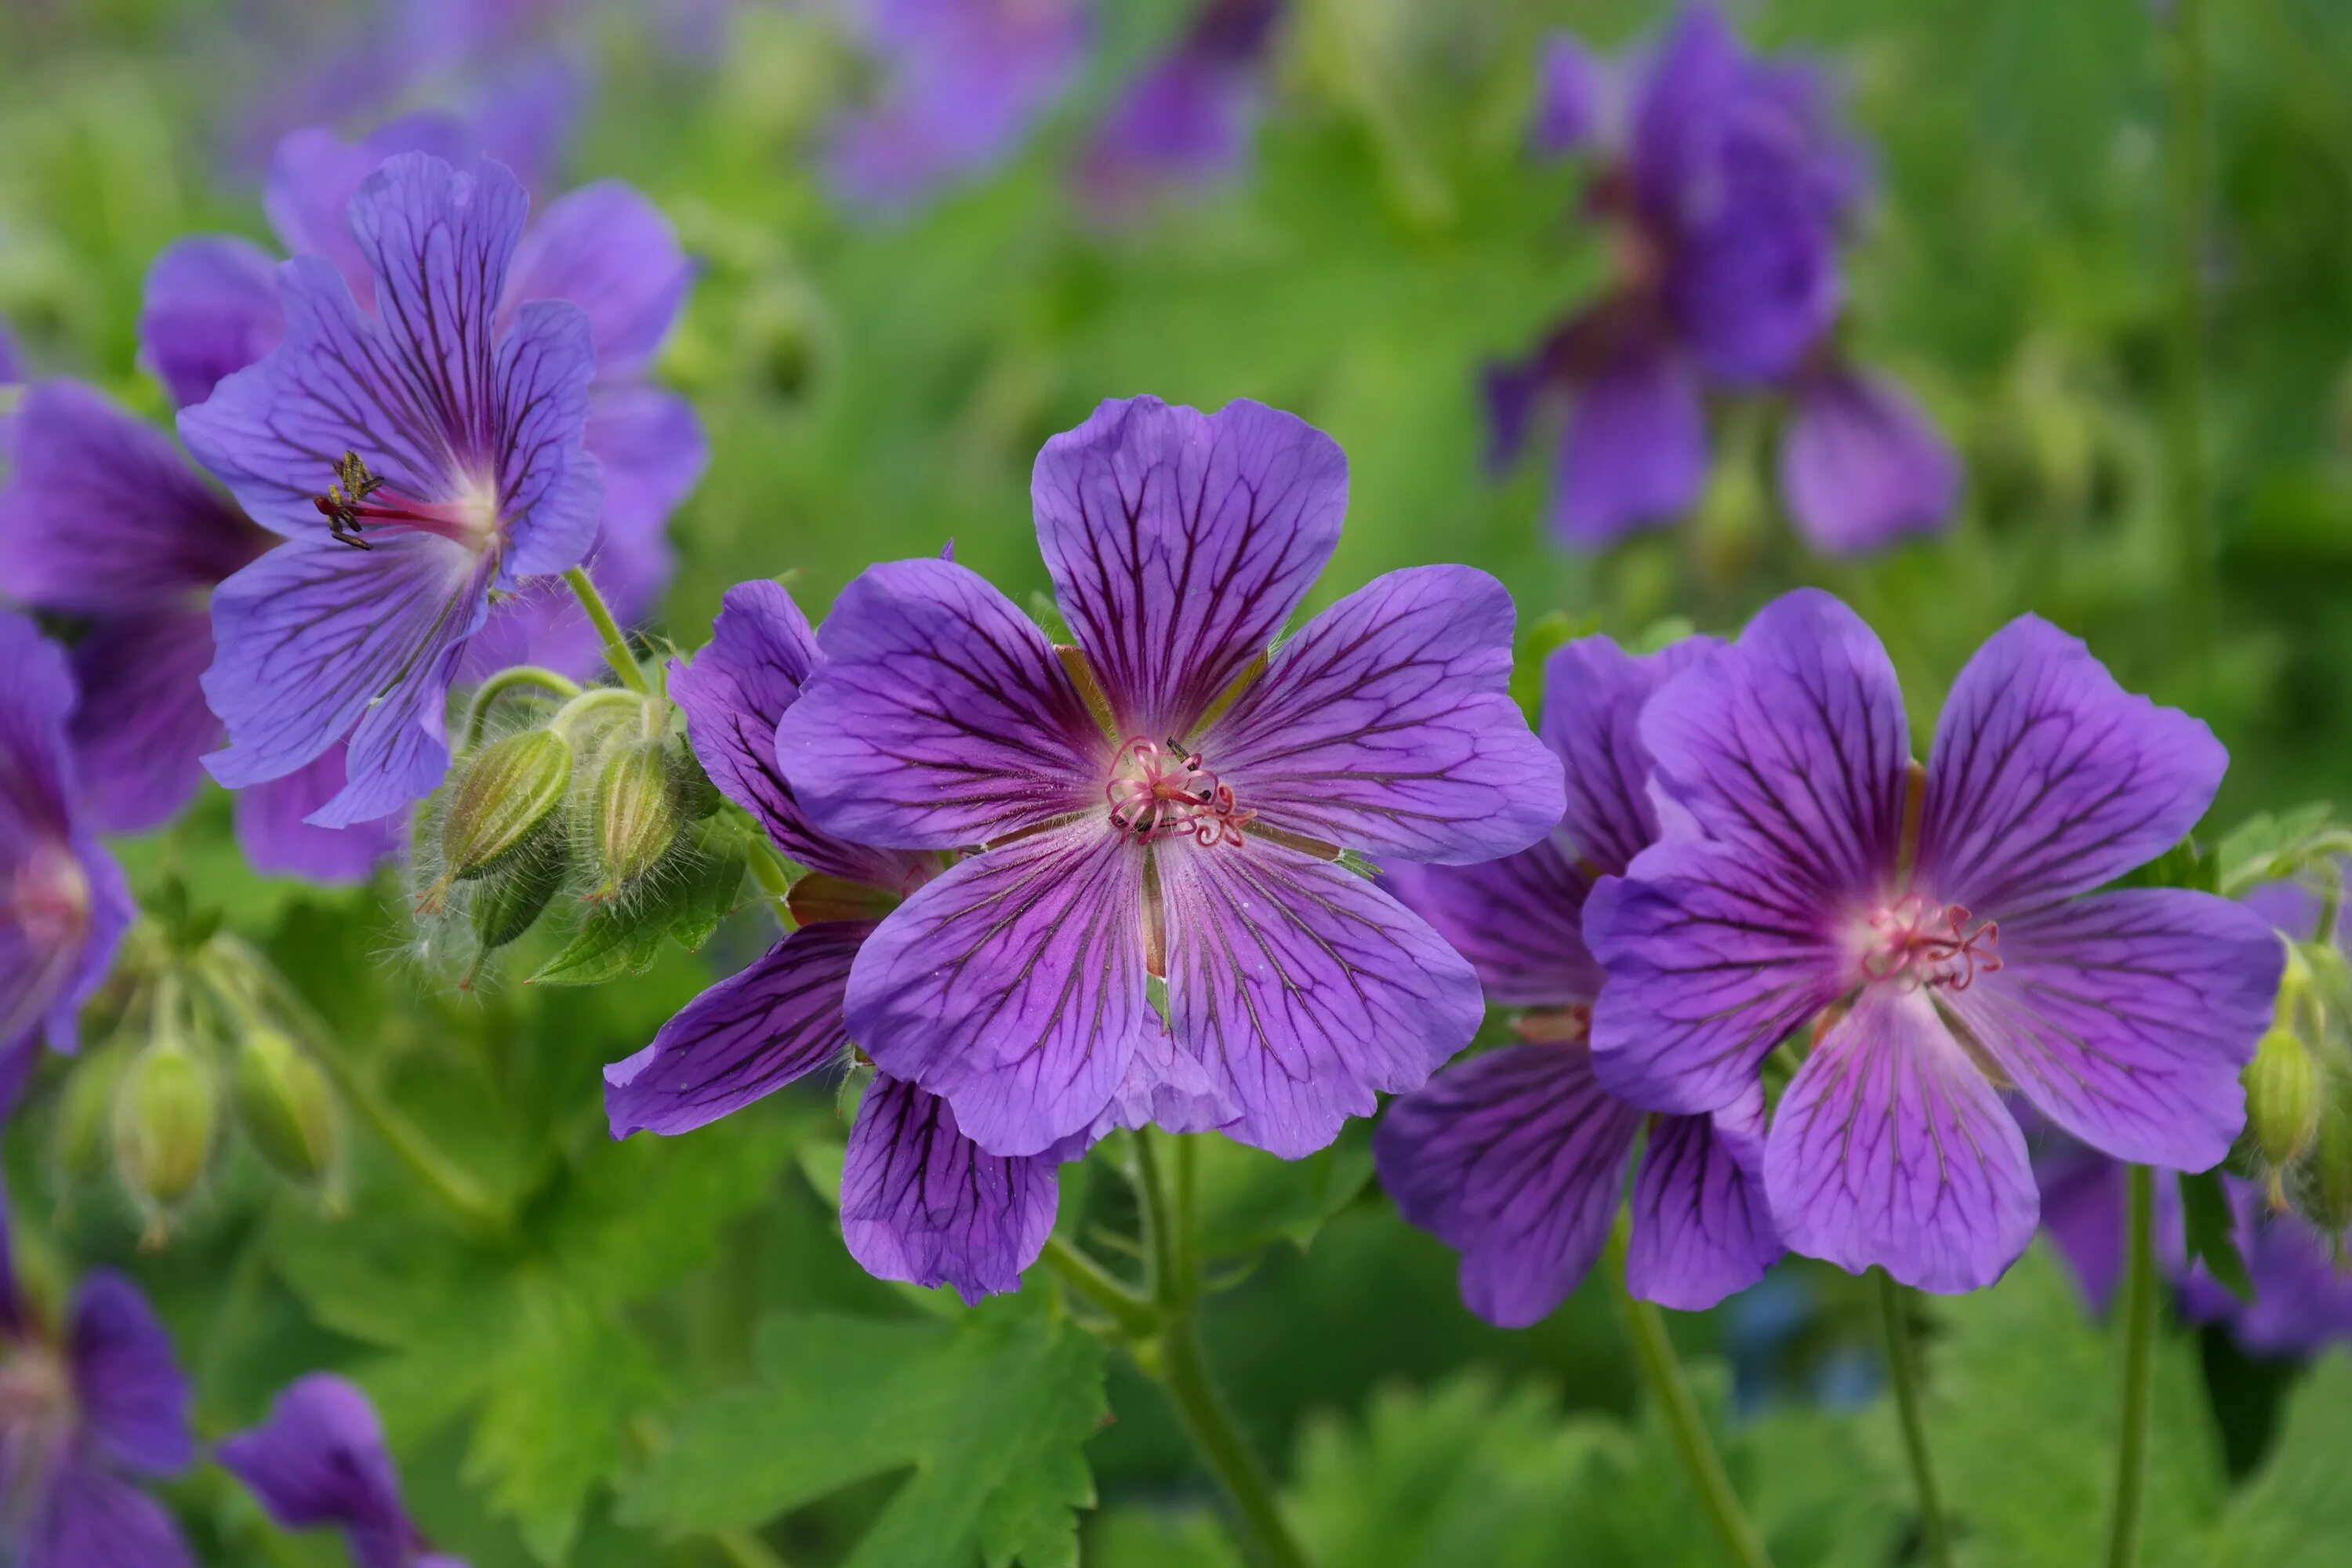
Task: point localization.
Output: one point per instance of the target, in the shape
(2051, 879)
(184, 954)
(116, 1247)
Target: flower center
(1915, 943)
(358, 498)
(1163, 791)
(50, 898)
(38, 1414)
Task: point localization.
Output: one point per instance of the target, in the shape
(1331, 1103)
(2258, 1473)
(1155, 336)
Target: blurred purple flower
(1167, 799)
(85, 1406)
(918, 1200)
(1186, 119)
(1861, 465)
(63, 902)
(1517, 1156)
(442, 435)
(321, 1461)
(960, 82)
(1820, 881)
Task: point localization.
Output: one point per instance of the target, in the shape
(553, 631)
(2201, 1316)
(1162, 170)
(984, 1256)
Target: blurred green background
(875, 389)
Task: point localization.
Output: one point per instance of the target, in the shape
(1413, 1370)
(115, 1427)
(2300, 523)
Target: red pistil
(1161, 791)
(358, 498)
(1919, 944)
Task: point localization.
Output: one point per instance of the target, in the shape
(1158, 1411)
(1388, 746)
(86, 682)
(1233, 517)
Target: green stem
(2139, 1371)
(1903, 1372)
(2185, 349)
(1131, 1309)
(768, 870)
(616, 643)
(477, 714)
(1662, 1370)
(745, 1550)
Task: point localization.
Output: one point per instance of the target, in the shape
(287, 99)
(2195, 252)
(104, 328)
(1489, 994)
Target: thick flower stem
(1184, 1373)
(1903, 1372)
(2187, 190)
(1663, 1371)
(616, 643)
(2139, 1371)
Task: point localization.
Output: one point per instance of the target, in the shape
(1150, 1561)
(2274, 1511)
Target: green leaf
(2296, 1512)
(1248, 1198)
(1159, 1538)
(612, 943)
(2185, 865)
(2267, 846)
(707, 895)
(2211, 1231)
(988, 1411)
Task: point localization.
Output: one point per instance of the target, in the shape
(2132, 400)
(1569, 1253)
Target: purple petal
(1519, 920)
(1184, 121)
(524, 115)
(1756, 284)
(1635, 455)
(2084, 1214)
(921, 1202)
(1516, 1160)
(1013, 985)
(550, 489)
(1512, 389)
(609, 250)
(1889, 1148)
(319, 642)
(1180, 543)
(211, 307)
(2303, 1298)
(1593, 695)
(1793, 746)
(745, 1037)
(2125, 1017)
(652, 449)
(1701, 1230)
(1571, 95)
(1304, 990)
(1862, 465)
(274, 829)
(1695, 73)
(320, 1458)
(141, 723)
(90, 1517)
(1386, 726)
(2047, 778)
(314, 175)
(102, 516)
(134, 1399)
(940, 718)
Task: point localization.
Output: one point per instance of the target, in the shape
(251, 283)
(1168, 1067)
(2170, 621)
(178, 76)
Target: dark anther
(341, 505)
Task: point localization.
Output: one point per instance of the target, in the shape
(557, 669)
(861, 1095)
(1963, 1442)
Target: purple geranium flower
(212, 308)
(63, 902)
(1185, 121)
(962, 81)
(1517, 1156)
(320, 1459)
(1164, 800)
(85, 1406)
(1732, 182)
(1934, 928)
(414, 459)
(918, 1200)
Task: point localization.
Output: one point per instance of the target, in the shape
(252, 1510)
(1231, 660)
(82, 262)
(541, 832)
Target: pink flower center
(50, 898)
(1159, 792)
(1915, 943)
(37, 1415)
(360, 500)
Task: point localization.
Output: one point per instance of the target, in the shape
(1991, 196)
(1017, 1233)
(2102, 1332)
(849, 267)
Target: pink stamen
(1921, 944)
(1157, 792)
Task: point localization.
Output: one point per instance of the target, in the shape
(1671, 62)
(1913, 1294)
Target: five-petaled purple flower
(1164, 800)
(1934, 928)
(63, 902)
(1727, 202)
(321, 1461)
(918, 1200)
(84, 1406)
(414, 459)
(1184, 121)
(1517, 1156)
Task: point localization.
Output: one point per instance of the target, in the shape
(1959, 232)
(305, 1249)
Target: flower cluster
(1729, 191)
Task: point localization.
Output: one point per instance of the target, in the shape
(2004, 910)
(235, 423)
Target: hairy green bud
(165, 1117)
(286, 1106)
(2281, 1097)
(503, 801)
(508, 905)
(2320, 1182)
(636, 815)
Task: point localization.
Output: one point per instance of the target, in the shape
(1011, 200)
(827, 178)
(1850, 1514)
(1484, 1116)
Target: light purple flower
(1164, 800)
(441, 434)
(1518, 1157)
(1862, 464)
(64, 905)
(919, 1200)
(1186, 119)
(321, 1461)
(85, 1408)
(1931, 928)
(962, 82)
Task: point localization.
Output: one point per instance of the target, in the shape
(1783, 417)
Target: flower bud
(507, 905)
(2320, 1182)
(2281, 1097)
(83, 1109)
(635, 814)
(163, 1123)
(503, 801)
(285, 1106)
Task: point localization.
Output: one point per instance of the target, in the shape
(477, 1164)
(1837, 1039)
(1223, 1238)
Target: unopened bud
(507, 905)
(503, 801)
(83, 1109)
(163, 1122)
(2281, 1097)
(285, 1106)
(2320, 1182)
(636, 813)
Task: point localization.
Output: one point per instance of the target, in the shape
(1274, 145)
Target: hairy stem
(486, 696)
(1903, 1372)
(616, 643)
(1662, 1370)
(2139, 1371)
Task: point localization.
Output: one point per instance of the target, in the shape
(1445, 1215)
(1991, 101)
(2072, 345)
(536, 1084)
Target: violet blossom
(1517, 1156)
(1166, 800)
(1185, 121)
(919, 1200)
(1934, 929)
(321, 1461)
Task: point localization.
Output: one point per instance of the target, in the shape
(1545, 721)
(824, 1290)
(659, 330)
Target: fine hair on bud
(636, 811)
(500, 807)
